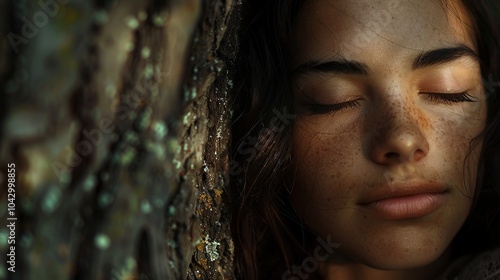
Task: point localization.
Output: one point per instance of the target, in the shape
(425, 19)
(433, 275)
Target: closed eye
(330, 108)
(449, 98)
(444, 98)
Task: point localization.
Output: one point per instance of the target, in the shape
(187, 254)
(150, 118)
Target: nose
(397, 136)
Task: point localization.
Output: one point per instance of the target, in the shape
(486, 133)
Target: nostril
(419, 154)
(412, 157)
(392, 155)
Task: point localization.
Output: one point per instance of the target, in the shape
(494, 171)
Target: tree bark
(116, 115)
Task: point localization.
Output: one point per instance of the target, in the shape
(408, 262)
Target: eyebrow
(441, 56)
(343, 66)
(424, 59)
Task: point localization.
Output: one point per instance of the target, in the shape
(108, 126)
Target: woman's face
(388, 95)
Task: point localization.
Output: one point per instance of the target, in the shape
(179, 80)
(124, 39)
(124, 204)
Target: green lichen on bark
(212, 60)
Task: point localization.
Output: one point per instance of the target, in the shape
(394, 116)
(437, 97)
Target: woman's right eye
(316, 109)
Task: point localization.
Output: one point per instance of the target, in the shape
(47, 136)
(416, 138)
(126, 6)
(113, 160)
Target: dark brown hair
(268, 238)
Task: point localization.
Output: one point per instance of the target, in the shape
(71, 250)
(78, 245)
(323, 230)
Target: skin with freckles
(388, 96)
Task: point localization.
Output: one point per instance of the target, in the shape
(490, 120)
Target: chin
(403, 254)
(410, 259)
(399, 247)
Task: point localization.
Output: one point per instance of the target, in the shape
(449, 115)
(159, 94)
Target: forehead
(358, 29)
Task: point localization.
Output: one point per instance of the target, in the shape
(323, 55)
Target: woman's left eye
(449, 98)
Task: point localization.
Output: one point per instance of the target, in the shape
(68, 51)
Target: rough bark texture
(116, 116)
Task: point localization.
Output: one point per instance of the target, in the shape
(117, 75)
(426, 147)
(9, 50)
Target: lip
(405, 200)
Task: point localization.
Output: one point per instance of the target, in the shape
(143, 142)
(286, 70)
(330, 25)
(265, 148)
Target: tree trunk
(114, 138)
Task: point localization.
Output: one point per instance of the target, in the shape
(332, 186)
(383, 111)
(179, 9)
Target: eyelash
(330, 109)
(445, 98)
(449, 99)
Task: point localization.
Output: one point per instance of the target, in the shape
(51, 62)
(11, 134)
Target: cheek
(325, 161)
(452, 143)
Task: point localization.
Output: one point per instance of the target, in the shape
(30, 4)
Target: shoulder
(484, 266)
